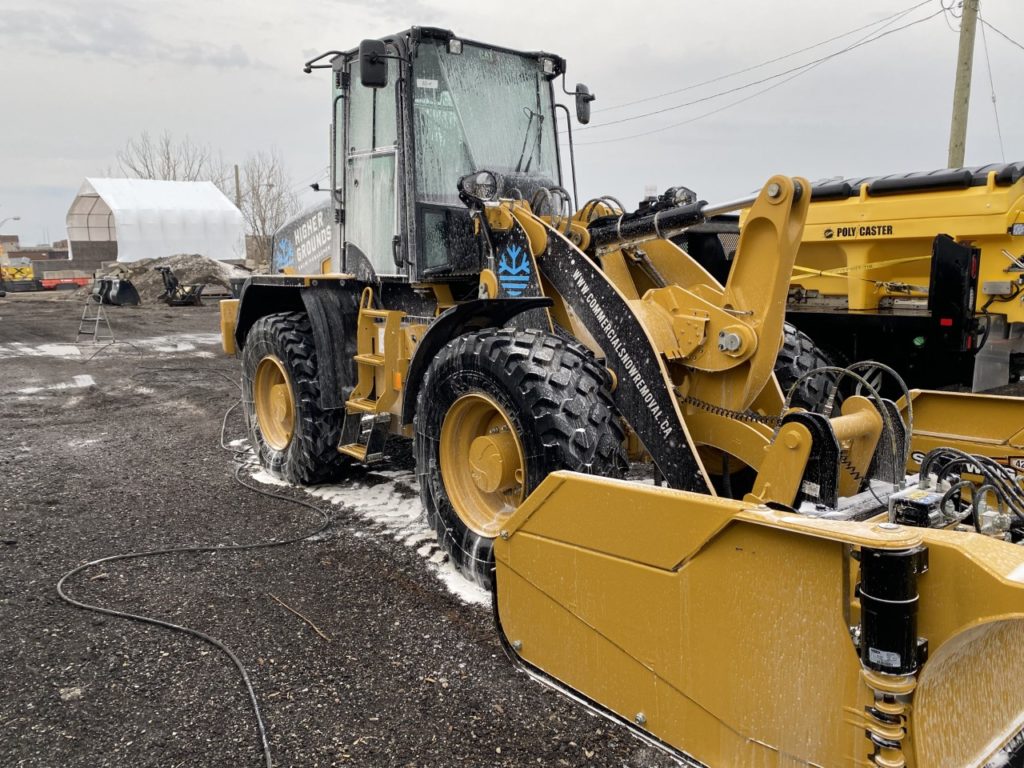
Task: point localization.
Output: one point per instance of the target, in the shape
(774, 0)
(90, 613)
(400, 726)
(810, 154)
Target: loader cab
(447, 107)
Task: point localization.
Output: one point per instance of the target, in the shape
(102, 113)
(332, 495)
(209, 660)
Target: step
(355, 450)
(361, 406)
(371, 359)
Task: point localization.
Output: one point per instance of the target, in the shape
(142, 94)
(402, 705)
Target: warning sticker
(422, 82)
(1016, 462)
(883, 658)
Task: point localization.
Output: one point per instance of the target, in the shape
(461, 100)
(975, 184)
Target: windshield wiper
(526, 140)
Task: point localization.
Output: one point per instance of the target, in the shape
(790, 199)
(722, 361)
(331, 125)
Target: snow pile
(189, 268)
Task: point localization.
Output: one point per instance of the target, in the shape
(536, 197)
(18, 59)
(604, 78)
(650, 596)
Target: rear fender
(332, 307)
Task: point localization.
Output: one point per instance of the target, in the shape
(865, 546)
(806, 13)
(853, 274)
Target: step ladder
(93, 325)
(380, 352)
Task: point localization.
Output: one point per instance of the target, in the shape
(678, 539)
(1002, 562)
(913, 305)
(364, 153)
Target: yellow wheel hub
(482, 463)
(274, 403)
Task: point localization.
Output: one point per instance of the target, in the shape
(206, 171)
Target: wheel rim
(482, 463)
(274, 403)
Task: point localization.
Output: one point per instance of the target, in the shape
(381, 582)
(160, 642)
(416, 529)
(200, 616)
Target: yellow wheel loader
(829, 586)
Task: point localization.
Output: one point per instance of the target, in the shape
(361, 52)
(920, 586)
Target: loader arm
(698, 340)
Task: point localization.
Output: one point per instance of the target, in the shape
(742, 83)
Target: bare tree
(168, 158)
(267, 199)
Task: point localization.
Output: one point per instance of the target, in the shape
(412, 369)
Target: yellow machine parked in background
(785, 593)
(922, 271)
(16, 274)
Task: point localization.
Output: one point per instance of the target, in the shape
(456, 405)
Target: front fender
(462, 318)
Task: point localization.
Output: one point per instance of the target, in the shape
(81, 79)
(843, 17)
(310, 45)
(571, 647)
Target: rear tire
(800, 355)
(310, 455)
(553, 396)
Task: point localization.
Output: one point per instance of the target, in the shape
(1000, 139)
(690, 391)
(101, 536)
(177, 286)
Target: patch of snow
(82, 443)
(459, 586)
(184, 342)
(187, 341)
(77, 382)
(20, 349)
(262, 476)
(394, 506)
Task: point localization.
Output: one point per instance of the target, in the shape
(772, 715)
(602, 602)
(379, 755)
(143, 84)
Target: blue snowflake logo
(514, 270)
(284, 254)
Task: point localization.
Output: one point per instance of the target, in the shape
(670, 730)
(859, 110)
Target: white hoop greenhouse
(143, 219)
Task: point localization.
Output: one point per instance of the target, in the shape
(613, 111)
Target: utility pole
(238, 189)
(962, 89)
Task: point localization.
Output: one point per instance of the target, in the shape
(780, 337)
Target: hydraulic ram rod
(610, 234)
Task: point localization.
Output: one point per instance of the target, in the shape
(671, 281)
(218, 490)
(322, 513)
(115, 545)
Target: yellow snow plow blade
(989, 425)
(736, 630)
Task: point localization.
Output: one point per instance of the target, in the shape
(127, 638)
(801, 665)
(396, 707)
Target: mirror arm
(567, 92)
(375, 59)
(572, 153)
(310, 65)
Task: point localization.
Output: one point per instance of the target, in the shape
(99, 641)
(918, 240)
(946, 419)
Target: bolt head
(504, 535)
(640, 718)
(774, 190)
(517, 645)
(889, 526)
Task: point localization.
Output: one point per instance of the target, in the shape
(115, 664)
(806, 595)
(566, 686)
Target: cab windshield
(481, 109)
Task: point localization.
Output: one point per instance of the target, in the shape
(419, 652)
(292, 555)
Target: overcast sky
(77, 79)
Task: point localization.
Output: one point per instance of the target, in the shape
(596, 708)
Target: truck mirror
(373, 64)
(583, 99)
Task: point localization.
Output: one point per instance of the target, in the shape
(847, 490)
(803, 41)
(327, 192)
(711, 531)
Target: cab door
(370, 153)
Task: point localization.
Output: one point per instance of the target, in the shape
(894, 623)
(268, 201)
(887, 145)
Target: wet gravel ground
(108, 456)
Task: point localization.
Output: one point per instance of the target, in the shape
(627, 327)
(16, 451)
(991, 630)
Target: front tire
(499, 410)
(293, 437)
(800, 355)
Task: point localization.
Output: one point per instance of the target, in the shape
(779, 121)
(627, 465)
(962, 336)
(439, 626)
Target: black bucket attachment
(116, 291)
(123, 293)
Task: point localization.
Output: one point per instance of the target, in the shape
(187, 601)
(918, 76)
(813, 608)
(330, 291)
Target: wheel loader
(599, 437)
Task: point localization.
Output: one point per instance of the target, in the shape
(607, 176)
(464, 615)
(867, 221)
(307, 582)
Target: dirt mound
(189, 268)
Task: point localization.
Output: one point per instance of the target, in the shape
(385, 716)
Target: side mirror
(583, 99)
(373, 64)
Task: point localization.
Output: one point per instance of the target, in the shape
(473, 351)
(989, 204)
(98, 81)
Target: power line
(951, 8)
(1003, 35)
(798, 70)
(309, 178)
(763, 63)
(992, 88)
(794, 73)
